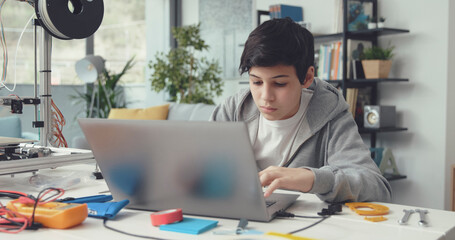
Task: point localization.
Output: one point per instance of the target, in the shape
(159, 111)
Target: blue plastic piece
(190, 225)
(106, 210)
(90, 199)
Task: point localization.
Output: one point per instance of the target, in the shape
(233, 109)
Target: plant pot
(376, 68)
(372, 25)
(381, 25)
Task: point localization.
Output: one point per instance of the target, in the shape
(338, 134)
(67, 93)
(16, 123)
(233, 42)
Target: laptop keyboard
(269, 203)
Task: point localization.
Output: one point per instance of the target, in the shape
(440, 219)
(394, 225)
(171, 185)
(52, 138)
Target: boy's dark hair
(279, 41)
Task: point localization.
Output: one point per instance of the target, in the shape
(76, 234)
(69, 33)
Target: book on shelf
(283, 11)
(335, 61)
(340, 64)
(363, 98)
(325, 52)
(351, 99)
(357, 69)
(357, 98)
(330, 61)
(318, 61)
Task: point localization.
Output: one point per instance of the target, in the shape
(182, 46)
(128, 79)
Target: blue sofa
(11, 126)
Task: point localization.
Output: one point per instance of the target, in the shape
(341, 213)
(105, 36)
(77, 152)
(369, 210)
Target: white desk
(347, 225)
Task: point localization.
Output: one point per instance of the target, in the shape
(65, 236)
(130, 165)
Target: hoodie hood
(327, 102)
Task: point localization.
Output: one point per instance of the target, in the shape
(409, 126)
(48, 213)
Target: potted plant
(106, 95)
(183, 73)
(381, 22)
(376, 61)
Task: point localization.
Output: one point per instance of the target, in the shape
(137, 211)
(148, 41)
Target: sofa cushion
(10, 127)
(151, 113)
(190, 112)
(176, 111)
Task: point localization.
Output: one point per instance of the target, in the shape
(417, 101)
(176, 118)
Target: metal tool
(241, 229)
(407, 214)
(241, 226)
(422, 213)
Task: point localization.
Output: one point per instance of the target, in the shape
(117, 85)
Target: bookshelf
(346, 82)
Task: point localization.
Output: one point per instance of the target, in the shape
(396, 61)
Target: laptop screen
(205, 168)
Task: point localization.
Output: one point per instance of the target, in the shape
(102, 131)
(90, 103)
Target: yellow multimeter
(53, 214)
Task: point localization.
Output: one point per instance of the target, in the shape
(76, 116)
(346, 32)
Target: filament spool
(70, 19)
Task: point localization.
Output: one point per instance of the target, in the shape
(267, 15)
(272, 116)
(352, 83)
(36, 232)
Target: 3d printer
(71, 19)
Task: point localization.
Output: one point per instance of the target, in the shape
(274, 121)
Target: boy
(303, 136)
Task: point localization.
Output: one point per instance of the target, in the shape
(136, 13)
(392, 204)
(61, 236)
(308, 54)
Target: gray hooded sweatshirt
(327, 142)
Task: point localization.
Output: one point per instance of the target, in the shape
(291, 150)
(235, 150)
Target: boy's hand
(300, 179)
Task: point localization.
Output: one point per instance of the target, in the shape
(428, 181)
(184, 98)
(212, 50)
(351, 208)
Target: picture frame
(359, 14)
(355, 49)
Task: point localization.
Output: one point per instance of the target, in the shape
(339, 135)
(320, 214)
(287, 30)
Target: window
(120, 37)
(16, 16)
(226, 31)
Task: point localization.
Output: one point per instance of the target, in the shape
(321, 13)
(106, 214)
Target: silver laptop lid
(205, 168)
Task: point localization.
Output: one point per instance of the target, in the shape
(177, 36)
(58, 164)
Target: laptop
(204, 168)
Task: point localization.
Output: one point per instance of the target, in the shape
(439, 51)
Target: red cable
(58, 121)
(16, 217)
(12, 228)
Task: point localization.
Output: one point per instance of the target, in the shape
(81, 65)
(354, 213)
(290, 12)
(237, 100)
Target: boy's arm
(349, 173)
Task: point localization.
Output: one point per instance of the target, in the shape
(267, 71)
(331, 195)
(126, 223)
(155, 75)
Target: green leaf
(183, 76)
(377, 53)
(107, 92)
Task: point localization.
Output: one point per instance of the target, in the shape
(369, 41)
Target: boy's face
(276, 90)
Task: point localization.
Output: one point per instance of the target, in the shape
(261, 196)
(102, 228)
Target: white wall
(190, 12)
(422, 57)
(157, 34)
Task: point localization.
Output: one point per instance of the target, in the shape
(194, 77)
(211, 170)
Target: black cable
(12, 221)
(282, 213)
(127, 233)
(10, 195)
(291, 215)
(34, 226)
(37, 200)
(312, 225)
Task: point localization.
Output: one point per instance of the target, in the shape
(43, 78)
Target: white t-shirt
(274, 138)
